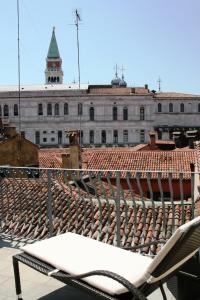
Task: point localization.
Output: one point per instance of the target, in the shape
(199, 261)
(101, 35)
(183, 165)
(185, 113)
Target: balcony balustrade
(123, 208)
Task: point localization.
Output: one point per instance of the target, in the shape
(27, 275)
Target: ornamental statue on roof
(117, 81)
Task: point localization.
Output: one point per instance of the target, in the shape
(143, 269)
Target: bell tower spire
(53, 72)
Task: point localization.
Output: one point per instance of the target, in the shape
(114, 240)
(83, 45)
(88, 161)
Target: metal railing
(123, 208)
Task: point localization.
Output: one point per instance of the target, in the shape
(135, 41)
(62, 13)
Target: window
(5, 110)
(115, 136)
(0, 111)
(80, 109)
(142, 136)
(182, 108)
(103, 137)
(66, 111)
(114, 113)
(125, 136)
(91, 113)
(125, 113)
(53, 139)
(49, 109)
(44, 132)
(142, 113)
(56, 109)
(52, 131)
(23, 134)
(15, 110)
(159, 135)
(37, 137)
(44, 140)
(40, 109)
(91, 137)
(171, 109)
(159, 107)
(199, 107)
(59, 137)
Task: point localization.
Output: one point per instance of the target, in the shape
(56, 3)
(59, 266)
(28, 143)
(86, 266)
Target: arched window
(80, 109)
(91, 136)
(0, 111)
(5, 110)
(159, 107)
(66, 111)
(56, 109)
(15, 110)
(91, 113)
(103, 137)
(171, 108)
(182, 108)
(125, 114)
(199, 107)
(49, 79)
(142, 113)
(40, 109)
(49, 109)
(58, 79)
(115, 136)
(114, 113)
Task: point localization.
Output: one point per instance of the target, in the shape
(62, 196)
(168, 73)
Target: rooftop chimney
(152, 136)
(191, 135)
(74, 158)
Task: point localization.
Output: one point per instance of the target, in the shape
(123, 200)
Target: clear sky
(150, 38)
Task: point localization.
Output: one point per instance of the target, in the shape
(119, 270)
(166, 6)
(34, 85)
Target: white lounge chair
(107, 271)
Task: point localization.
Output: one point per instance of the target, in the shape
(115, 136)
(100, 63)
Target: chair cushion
(76, 254)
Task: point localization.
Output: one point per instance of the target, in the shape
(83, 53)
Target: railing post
(118, 214)
(49, 203)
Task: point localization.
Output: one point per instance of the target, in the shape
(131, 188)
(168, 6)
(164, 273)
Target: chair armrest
(127, 284)
(144, 245)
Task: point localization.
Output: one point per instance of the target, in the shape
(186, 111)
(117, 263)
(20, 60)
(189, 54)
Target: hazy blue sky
(151, 38)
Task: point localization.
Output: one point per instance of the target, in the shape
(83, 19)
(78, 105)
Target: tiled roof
(24, 212)
(51, 158)
(177, 161)
(126, 159)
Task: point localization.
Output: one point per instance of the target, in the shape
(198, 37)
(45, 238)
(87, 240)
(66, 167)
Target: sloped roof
(25, 214)
(175, 161)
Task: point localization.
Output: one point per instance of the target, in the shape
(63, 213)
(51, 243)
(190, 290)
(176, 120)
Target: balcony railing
(123, 208)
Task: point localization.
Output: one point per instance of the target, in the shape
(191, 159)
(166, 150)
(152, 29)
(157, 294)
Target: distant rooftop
(174, 95)
(43, 87)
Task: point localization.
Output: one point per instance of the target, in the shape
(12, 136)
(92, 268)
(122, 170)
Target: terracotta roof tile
(24, 213)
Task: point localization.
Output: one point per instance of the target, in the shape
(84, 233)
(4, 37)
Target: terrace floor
(37, 286)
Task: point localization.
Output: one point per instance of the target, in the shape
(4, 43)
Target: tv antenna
(19, 73)
(159, 84)
(77, 20)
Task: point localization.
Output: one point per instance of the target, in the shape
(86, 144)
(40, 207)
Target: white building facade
(105, 115)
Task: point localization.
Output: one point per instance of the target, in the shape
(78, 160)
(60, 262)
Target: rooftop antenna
(159, 84)
(77, 20)
(19, 73)
(116, 71)
(122, 70)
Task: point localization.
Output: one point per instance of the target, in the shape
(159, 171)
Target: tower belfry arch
(53, 72)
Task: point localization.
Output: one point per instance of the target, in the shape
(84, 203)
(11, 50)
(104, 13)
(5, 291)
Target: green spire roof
(53, 47)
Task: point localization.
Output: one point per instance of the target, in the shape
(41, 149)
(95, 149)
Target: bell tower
(53, 72)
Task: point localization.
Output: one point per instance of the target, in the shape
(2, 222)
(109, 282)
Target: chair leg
(162, 291)
(17, 279)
